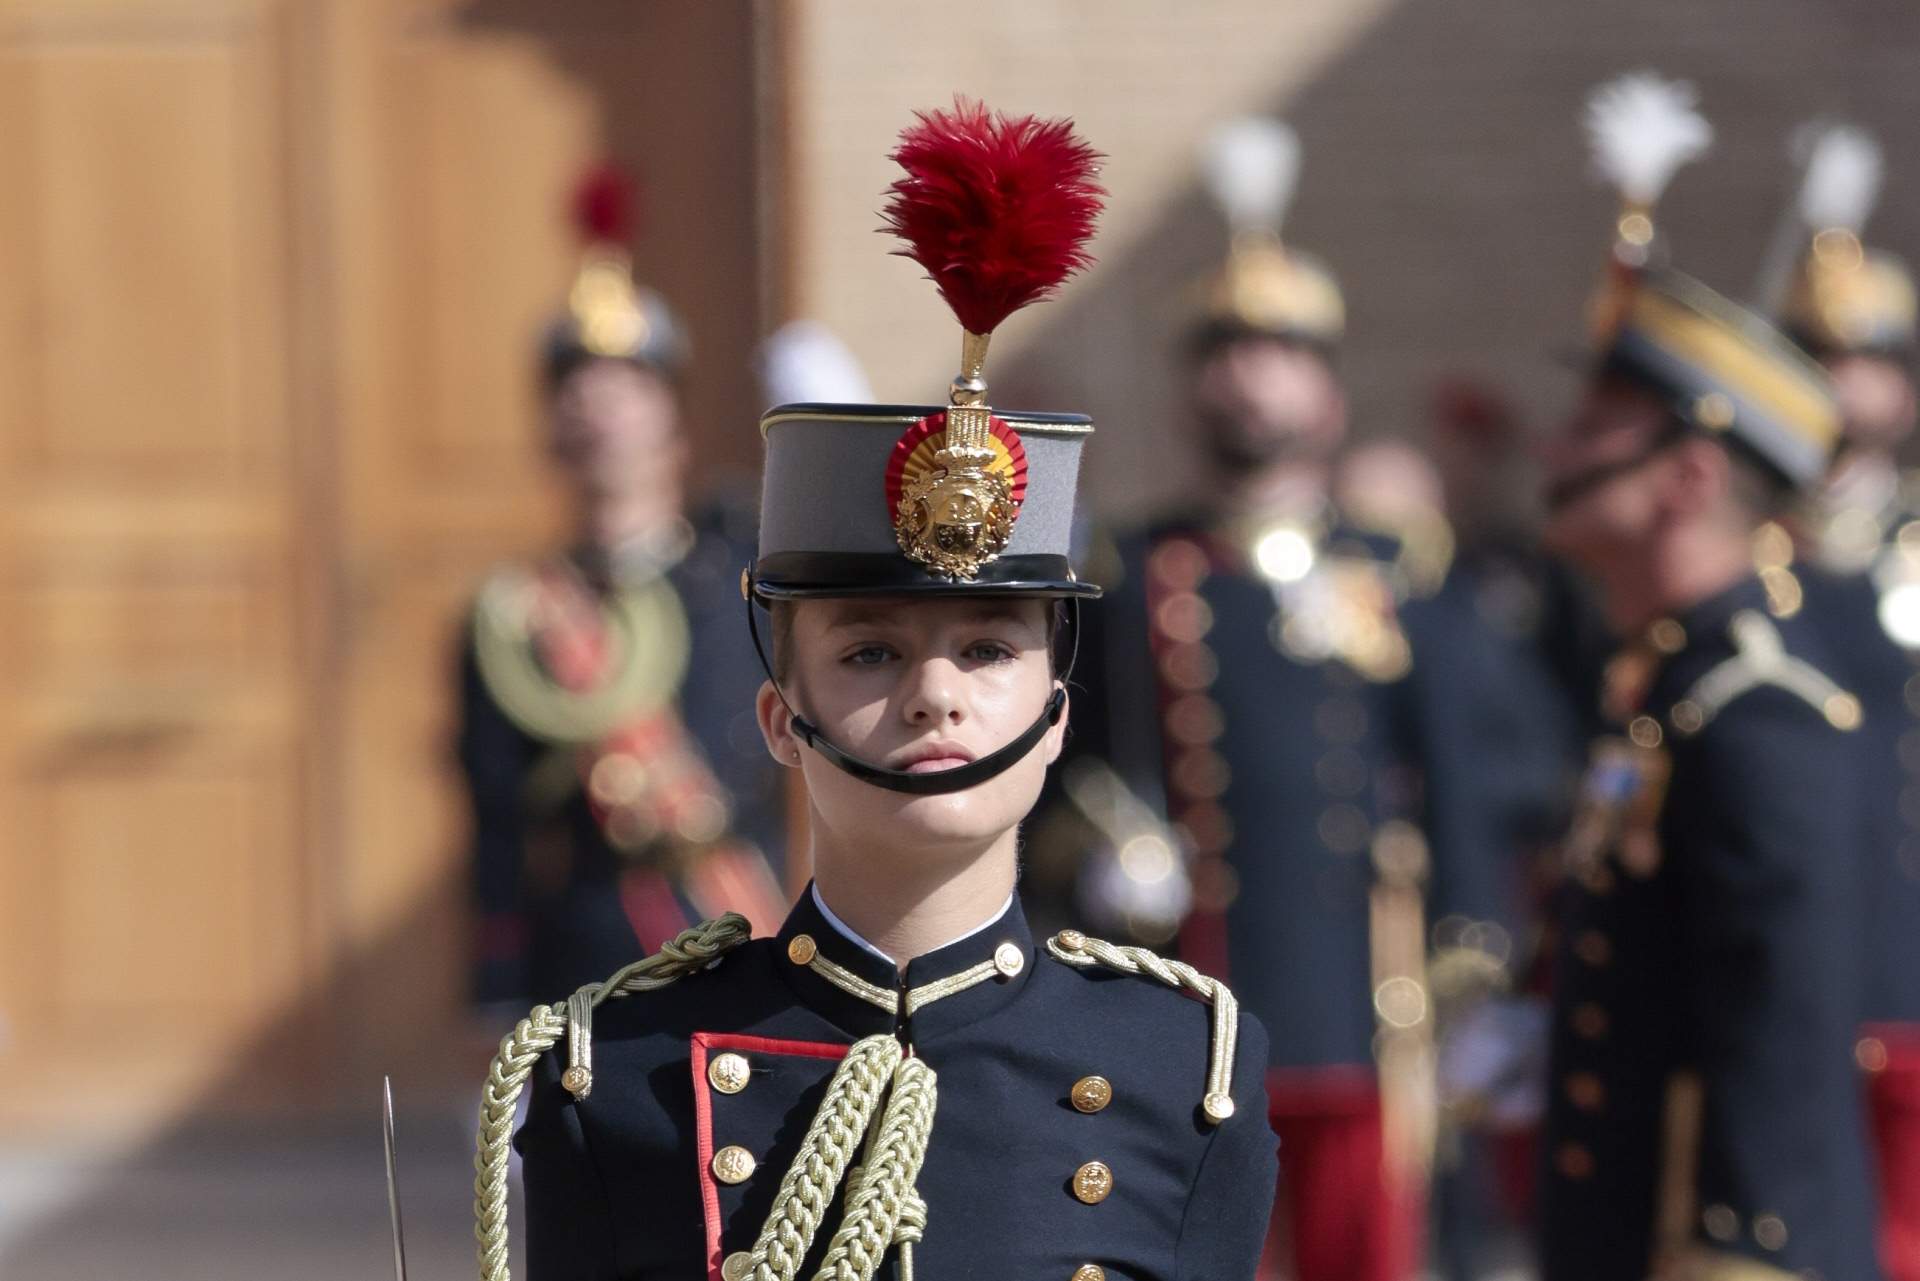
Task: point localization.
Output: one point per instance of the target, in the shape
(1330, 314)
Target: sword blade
(393, 1182)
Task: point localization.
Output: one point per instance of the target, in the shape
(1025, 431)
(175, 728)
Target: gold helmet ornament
(1842, 297)
(1251, 167)
(607, 315)
(1640, 130)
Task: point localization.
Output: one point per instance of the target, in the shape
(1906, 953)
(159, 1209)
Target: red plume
(603, 206)
(997, 208)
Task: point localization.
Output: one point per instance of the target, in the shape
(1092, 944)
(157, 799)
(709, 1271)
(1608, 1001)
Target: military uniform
(1705, 1117)
(996, 1107)
(1068, 1143)
(577, 863)
(1251, 677)
(619, 790)
(1860, 570)
(1703, 1092)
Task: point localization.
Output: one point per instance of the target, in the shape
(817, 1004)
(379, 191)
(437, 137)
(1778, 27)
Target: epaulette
(686, 953)
(1071, 947)
(1760, 658)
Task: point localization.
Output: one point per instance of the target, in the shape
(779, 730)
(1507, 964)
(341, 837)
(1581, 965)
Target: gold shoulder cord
(653, 643)
(1071, 947)
(689, 952)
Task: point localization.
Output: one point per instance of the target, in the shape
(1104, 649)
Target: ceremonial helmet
(1842, 297)
(1251, 167)
(1717, 367)
(946, 500)
(607, 314)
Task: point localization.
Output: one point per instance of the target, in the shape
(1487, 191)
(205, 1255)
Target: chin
(970, 818)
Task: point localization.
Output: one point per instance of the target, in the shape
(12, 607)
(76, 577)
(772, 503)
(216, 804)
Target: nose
(933, 695)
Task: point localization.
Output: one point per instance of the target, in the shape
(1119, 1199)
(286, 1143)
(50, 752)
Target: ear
(776, 726)
(1056, 738)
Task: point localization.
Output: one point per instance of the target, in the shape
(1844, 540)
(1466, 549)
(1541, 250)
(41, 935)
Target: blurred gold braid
(690, 951)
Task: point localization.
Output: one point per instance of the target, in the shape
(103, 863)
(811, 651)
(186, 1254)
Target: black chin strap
(935, 782)
(1583, 483)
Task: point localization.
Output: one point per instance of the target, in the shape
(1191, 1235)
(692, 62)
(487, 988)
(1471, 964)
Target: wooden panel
(140, 255)
(153, 773)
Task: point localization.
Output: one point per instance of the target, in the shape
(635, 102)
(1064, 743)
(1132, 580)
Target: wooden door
(155, 565)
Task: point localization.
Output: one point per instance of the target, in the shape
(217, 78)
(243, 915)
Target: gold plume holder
(959, 515)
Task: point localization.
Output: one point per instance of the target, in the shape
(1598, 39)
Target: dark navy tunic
(622, 1184)
(1711, 971)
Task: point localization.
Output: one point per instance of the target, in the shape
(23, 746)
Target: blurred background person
(1704, 1113)
(615, 800)
(1852, 307)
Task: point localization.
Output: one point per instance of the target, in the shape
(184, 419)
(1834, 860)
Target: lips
(931, 758)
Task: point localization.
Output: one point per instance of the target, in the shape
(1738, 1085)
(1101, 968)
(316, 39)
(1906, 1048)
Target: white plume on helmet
(1251, 165)
(1641, 129)
(1842, 178)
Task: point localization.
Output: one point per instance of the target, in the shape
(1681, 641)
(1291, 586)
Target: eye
(989, 652)
(868, 655)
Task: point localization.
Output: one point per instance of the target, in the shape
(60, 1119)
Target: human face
(1876, 401)
(920, 685)
(616, 428)
(1602, 494)
(1265, 401)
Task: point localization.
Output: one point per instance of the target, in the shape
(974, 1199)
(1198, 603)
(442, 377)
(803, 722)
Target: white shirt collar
(853, 936)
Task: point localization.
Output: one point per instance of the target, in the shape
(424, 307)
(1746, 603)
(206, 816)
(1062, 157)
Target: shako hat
(1718, 367)
(607, 314)
(1250, 167)
(945, 500)
(1843, 297)
(960, 498)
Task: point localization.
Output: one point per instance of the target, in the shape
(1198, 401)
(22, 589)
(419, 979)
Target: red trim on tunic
(1893, 1107)
(703, 1042)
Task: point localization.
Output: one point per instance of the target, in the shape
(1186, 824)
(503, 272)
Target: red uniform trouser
(1342, 1214)
(1893, 1101)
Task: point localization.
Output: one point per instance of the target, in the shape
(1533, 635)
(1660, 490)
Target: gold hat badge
(998, 209)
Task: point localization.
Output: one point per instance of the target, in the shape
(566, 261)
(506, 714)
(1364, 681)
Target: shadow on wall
(1444, 180)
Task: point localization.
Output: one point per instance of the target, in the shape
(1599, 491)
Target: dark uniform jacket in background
(1710, 973)
(545, 878)
(1306, 761)
(621, 1184)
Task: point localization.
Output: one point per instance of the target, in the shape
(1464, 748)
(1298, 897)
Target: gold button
(733, 1164)
(1218, 1107)
(1667, 636)
(1070, 940)
(1092, 1183)
(1770, 1231)
(1721, 1223)
(577, 1080)
(1586, 1091)
(1590, 1021)
(1714, 411)
(1870, 1052)
(1089, 1272)
(1009, 959)
(1593, 947)
(1091, 1093)
(729, 1073)
(1573, 1161)
(1688, 716)
(1644, 731)
(736, 1266)
(801, 949)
